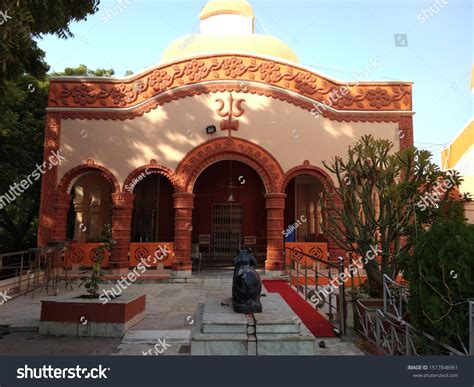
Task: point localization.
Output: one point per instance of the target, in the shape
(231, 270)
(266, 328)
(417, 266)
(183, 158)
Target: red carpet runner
(317, 324)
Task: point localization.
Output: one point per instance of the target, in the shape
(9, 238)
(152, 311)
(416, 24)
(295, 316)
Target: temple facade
(218, 147)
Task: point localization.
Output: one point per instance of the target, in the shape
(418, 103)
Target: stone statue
(246, 285)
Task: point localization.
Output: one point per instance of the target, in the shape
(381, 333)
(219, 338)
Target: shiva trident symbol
(230, 124)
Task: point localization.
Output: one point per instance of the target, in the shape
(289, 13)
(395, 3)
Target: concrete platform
(219, 331)
(74, 316)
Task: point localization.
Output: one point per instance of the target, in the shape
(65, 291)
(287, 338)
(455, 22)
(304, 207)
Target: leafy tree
(83, 70)
(22, 119)
(375, 201)
(22, 122)
(26, 20)
(440, 275)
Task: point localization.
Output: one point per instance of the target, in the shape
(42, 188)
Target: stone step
(180, 336)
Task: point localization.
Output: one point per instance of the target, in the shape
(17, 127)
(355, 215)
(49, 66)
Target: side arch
(66, 182)
(307, 169)
(151, 168)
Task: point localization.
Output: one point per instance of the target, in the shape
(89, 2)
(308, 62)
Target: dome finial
(229, 7)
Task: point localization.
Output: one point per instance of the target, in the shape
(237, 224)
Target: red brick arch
(65, 184)
(151, 168)
(307, 169)
(225, 148)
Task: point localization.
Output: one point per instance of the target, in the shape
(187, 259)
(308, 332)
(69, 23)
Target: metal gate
(226, 228)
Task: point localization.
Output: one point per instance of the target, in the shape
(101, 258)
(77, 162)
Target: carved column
(183, 204)
(333, 249)
(122, 204)
(275, 205)
(405, 126)
(62, 202)
(48, 180)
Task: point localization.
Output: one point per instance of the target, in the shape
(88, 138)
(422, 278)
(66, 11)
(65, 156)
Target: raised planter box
(66, 316)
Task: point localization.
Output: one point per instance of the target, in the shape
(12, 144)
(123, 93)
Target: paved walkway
(170, 314)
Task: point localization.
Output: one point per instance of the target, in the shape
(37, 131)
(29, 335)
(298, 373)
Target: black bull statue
(246, 285)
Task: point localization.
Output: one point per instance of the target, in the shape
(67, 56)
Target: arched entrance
(90, 208)
(229, 214)
(195, 163)
(303, 215)
(153, 212)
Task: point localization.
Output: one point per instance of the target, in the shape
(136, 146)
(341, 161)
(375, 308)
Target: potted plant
(92, 281)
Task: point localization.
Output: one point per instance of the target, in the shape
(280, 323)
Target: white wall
(168, 132)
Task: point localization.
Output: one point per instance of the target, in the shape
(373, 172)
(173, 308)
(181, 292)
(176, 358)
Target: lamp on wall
(210, 129)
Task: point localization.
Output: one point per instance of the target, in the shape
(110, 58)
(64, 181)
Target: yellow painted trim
(460, 145)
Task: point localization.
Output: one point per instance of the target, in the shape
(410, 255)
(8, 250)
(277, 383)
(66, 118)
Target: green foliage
(92, 281)
(22, 120)
(83, 70)
(28, 20)
(440, 274)
(379, 190)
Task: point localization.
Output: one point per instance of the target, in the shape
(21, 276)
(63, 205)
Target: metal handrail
(295, 265)
(41, 266)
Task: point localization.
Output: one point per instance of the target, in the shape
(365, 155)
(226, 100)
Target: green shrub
(440, 273)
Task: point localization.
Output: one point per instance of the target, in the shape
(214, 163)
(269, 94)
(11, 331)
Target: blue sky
(338, 38)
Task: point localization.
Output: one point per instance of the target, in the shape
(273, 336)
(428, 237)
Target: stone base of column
(181, 273)
(274, 273)
(119, 270)
(274, 265)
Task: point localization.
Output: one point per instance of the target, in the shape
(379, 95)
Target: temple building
(218, 147)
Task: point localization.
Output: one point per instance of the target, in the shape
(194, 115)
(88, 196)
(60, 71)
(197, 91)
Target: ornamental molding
(127, 98)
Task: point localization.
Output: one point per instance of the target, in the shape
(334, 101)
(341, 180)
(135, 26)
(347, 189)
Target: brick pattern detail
(183, 204)
(46, 225)
(121, 228)
(275, 205)
(113, 93)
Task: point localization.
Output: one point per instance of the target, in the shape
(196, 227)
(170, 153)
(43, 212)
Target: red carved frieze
(115, 93)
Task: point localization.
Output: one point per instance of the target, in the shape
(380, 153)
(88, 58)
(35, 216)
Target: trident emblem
(230, 124)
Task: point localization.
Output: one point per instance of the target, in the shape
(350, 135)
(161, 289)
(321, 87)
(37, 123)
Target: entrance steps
(276, 331)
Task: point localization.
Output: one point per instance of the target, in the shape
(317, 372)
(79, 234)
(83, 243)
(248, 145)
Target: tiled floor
(170, 311)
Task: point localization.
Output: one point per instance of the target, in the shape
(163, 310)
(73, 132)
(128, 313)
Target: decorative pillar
(122, 206)
(334, 250)
(275, 205)
(48, 180)
(183, 204)
(62, 202)
(405, 131)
